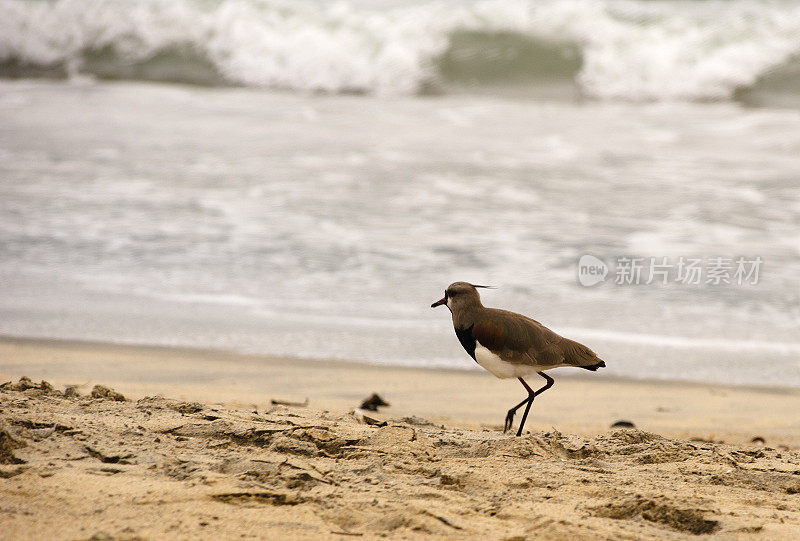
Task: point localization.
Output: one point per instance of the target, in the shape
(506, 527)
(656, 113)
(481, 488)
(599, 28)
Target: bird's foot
(509, 421)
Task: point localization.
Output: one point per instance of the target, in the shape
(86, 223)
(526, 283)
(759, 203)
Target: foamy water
(628, 50)
(324, 226)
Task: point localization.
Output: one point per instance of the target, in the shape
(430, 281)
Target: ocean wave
(630, 50)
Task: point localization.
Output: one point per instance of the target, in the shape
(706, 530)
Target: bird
(510, 345)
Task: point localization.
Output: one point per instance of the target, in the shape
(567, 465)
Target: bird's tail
(580, 356)
(594, 367)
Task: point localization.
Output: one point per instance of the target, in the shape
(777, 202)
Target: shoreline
(580, 404)
(222, 354)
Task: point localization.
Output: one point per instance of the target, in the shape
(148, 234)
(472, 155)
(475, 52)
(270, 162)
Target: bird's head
(460, 294)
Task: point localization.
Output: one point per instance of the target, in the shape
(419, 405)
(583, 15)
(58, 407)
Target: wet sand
(212, 457)
(580, 402)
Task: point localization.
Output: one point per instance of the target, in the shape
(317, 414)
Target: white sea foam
(632, 50)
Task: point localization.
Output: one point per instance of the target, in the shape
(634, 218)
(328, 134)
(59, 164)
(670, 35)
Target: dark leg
(510, 415)
(529, 401)
(546, 386)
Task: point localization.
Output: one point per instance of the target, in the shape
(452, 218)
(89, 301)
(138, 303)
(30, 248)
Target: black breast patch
(467, 340)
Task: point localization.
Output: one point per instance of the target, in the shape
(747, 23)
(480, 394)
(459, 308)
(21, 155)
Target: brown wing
(522, 340)
(490, 334)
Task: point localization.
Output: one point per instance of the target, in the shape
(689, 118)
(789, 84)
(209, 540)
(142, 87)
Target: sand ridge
(81, 466)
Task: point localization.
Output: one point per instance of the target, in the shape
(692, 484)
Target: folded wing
(521, 340)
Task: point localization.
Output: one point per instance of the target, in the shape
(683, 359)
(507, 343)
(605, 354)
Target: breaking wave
(629, 50)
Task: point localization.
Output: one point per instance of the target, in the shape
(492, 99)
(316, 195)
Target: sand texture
(100, 466)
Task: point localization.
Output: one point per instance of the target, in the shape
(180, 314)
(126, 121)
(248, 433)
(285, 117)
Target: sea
(304, 178)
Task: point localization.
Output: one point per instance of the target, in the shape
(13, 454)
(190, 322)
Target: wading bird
(510, 345)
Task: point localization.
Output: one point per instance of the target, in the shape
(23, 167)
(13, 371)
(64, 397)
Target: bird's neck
(467, 315)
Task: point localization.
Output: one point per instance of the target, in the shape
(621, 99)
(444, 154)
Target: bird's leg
(510, 415)
(511, 412)
(533, 395)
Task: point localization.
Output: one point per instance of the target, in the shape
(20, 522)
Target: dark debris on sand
(373, 402)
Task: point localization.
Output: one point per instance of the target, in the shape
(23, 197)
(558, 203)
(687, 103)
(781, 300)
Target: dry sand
(73, 467)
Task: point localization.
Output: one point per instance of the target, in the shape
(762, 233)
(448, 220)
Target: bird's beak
(440, 302)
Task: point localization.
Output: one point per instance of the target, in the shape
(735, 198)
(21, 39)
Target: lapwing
(510, 345)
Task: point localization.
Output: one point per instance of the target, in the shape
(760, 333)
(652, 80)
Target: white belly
(499, 367)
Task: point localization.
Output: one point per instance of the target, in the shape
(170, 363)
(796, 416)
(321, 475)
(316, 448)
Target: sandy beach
(197, 450)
